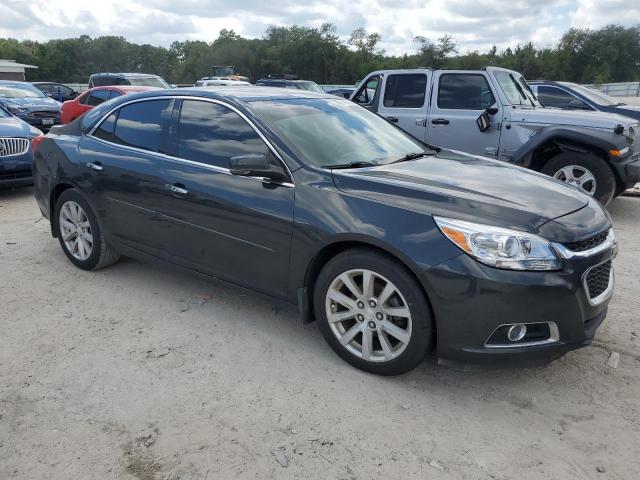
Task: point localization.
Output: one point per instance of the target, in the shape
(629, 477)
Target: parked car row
(352, 213)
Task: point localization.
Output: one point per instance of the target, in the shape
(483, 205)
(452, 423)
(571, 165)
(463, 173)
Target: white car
(217, 81)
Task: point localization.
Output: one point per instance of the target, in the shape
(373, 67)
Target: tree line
(610, 54)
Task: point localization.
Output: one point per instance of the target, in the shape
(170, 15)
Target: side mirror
(255, 165)
(483, 121)
(491, 110)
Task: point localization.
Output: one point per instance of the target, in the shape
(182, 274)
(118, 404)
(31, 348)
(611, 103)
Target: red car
(72, 109)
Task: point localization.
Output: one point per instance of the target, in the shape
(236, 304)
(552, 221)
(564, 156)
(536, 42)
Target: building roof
(13, 66)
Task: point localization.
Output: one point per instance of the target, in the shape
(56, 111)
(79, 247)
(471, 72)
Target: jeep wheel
(585, 171)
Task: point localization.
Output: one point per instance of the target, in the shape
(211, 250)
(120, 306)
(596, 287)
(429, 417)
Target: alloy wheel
(368, 315)
(578, 177)
(75, 230)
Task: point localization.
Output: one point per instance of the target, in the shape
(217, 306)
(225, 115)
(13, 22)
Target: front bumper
(471, 301)
(16, 170)
(628, 170)
(43, 120)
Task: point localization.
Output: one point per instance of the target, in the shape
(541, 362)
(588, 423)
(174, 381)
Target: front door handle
(97, 167)
(176, 188)
(440, 121)
(393, 119)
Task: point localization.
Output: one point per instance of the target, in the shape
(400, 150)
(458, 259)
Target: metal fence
(625, 89)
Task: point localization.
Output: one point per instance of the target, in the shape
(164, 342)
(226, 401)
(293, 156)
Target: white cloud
(475, 25)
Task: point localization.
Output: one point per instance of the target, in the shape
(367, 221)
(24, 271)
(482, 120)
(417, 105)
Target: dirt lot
(140, 372)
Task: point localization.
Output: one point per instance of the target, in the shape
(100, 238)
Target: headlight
(500, 247)
(16, 109)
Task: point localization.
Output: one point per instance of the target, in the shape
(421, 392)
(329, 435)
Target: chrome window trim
(608, 292)
(191, 162)
(554, 336)
(610, 242)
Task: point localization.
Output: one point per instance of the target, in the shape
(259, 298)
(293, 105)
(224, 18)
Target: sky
(474, 24)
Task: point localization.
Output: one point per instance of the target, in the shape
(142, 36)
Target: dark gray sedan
(391, 245)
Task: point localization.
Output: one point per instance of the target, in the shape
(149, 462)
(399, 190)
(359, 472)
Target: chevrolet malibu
(395, 248)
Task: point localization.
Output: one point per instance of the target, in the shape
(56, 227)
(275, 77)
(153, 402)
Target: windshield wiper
(413, 156)
(521, 90)
(351, 165)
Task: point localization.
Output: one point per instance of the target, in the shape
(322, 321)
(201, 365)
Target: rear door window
(106, 81)
(405, 91)
(97, 97)
(143, 125)
(462, 91)
(554, 97)
(210, 133)
(105, 129)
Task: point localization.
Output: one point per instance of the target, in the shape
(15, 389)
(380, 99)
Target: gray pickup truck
(492, 112)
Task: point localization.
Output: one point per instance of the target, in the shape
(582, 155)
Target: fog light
(517, 332)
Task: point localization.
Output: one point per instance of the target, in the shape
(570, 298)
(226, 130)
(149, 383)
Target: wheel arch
(337, 246)
(552, 140)
(557, 145)
(53, 200)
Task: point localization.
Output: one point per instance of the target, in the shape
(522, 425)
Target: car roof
(123, 74)
(551, 82)
(46, 83)
(125, 88)
(237, 96)
(285, 80)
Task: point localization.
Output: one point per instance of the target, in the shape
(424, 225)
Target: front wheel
(79, 233)
(373, 313)
(584, 171)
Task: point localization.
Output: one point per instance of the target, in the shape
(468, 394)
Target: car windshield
(311, 86)
(17, 90)
(593, 95)
(516, 89)
(148, 82)
(331, 132)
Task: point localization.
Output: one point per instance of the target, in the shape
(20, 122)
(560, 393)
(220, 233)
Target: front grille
(13, 146)
(43, 114)
(597, 279)
(15, 175)
(587, 244)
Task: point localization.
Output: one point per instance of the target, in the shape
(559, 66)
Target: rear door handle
(440, 121)
(177, 188)
(393, 119)
(97, 167)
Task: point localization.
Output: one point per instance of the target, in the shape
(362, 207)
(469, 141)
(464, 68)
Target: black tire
(605, 180)
(421, 339)
(102, 255)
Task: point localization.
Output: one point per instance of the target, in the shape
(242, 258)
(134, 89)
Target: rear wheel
(373, 313)
(585, 171)
(79, 233)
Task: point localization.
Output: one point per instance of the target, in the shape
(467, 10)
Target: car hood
(32, 103)
(631, 110)
(573, 118)
(14, 127)
(457, 185)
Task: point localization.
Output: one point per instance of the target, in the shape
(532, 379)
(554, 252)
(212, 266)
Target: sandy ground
(140, 372)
